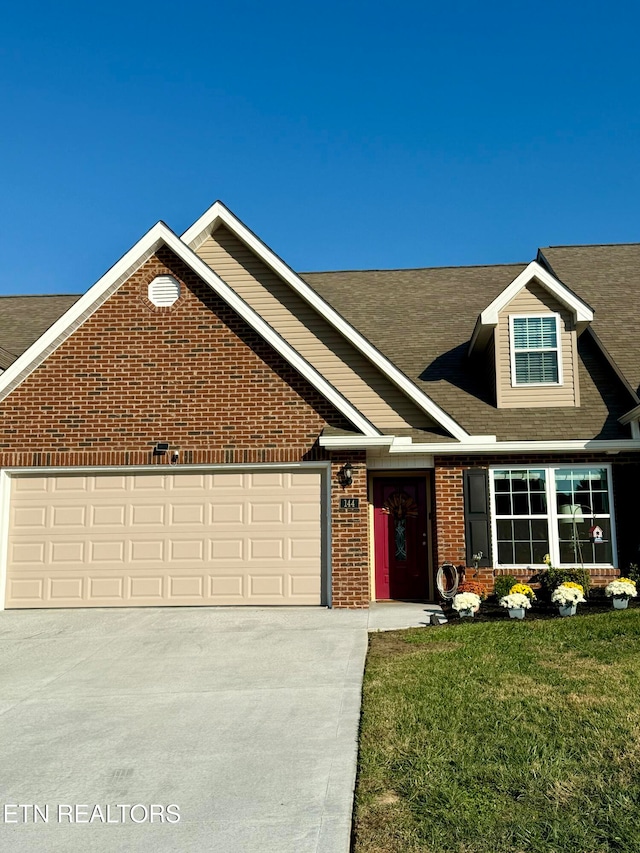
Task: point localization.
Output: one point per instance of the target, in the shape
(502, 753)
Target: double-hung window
(535, 350)
(563, 511)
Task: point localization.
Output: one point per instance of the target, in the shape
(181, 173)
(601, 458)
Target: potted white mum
(621, 591)
(567, 596)
(517, 603)
(466, 603)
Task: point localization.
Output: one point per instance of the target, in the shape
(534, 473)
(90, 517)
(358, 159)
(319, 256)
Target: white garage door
(164, 539)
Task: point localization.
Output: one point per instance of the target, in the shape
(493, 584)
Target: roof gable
(158, 236)
(488, 319)
(219, 214)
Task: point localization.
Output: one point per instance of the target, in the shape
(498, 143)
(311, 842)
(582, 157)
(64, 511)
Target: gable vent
(164, 290)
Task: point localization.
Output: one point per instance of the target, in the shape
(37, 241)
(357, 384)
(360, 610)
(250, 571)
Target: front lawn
(501, 737)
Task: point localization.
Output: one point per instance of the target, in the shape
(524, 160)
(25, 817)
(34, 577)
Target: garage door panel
(190, 550)
(226, 513)
(30, 590)
(271, 548)
(227, 481)
(32, 484)
(68, 484)
(108, 588)
(185, 514)
(192, 482)
(66, 589)
(225, 588)
(188, 586)
(266, 513)
(151, 539)
(108, 516)
(27, 553)
(145, 588)
(112, 483)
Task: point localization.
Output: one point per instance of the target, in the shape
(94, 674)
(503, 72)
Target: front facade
(206, 427)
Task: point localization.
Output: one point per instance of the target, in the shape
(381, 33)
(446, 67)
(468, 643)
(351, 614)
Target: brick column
(349, 535)
(449, 516)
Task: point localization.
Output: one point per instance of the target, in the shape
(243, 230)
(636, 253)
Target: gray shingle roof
(24, 318)
(423, 319)
(608, 278)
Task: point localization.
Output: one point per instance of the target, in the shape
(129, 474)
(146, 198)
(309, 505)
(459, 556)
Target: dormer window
(535, 350)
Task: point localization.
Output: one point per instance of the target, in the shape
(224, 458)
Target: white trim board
(157, 236)
(219, 214)
(488, 319)
(452, 447)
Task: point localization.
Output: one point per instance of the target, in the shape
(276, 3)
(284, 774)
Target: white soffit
(159, 235)
(219, 214)
(488, 319)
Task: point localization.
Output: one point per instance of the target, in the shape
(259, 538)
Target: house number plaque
(349, 503)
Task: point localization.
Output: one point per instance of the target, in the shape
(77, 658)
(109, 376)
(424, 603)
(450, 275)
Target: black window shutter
(476, 515)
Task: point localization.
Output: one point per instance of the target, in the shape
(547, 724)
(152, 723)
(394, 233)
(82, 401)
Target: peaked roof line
(488, 318)
(36, 295)
(416, 269)
(160, 234)
(588, 245)
(218, 213)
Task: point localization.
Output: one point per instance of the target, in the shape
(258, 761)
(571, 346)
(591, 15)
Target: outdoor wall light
(161, 448)
(346, 474)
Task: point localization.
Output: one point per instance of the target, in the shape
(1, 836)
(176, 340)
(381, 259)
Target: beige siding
(155, 539)
(535, 299)
(490, 367)
(299, 324)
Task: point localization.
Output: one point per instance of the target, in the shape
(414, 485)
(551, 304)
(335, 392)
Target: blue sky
(346, 134)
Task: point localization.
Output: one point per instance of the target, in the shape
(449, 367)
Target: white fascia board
(158, 235)
(570, 446)
(218, 213)
(632, 415)
(119, 272)
(348, 442)
(582, 312)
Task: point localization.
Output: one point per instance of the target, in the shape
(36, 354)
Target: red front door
(400, 530)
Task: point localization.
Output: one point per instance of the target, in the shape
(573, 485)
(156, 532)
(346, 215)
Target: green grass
(501, 738)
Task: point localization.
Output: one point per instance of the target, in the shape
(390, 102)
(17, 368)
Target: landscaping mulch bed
(490, 610)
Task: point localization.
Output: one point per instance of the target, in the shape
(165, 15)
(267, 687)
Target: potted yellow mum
(518, 601)
(620, 592)
(567, 596)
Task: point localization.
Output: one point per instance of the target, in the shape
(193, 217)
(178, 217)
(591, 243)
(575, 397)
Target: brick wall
(350, 535)
(194, 375)
(448, 523)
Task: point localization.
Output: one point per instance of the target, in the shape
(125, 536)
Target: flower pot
(567, 609)
(464, 613)
(516, 612)
(620, 602)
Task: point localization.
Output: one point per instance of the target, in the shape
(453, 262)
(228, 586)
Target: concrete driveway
(244, 719)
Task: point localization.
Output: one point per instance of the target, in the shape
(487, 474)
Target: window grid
(594, 482)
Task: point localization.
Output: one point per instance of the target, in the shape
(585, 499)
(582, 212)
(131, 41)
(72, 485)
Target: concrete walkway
(246, 719)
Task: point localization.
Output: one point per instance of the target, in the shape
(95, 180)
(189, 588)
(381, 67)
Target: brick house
(205, 426)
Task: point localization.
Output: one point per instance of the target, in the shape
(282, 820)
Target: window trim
(557, 349)
(552, 514)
